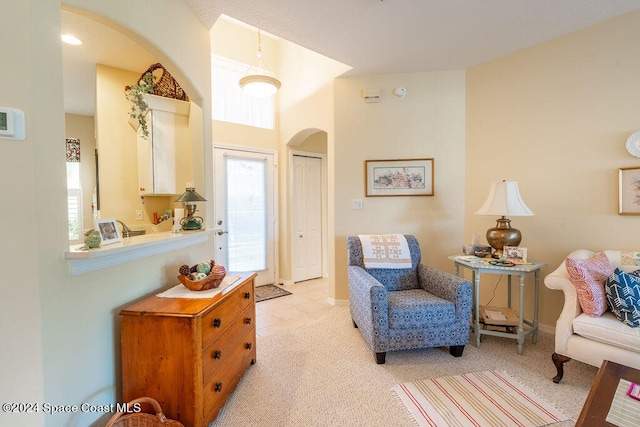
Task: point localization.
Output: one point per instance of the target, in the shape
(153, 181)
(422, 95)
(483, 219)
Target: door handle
(220, 233)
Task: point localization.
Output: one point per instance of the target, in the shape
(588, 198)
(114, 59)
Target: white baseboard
(547, 329)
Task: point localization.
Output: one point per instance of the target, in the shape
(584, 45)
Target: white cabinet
(164, 157)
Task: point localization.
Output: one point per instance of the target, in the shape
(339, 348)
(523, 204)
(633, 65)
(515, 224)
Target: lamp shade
(505, 200)
(190, 196)
(260, 85)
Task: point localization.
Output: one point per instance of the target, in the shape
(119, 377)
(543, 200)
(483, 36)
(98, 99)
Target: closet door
(307, 218)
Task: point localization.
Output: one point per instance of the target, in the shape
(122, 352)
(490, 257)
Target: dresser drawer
(220, 318)
(223, 381)
(237, 339)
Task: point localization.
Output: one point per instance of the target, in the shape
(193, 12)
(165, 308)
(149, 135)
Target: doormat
(489, 398)
(266, 292)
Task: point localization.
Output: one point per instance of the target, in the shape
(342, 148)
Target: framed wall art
(629, 191)
(403, 177)
(108, 229)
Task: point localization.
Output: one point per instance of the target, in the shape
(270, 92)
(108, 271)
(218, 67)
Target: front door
(244, 212)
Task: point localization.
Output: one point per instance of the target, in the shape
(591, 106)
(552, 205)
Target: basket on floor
(142, 419)
(164, 84)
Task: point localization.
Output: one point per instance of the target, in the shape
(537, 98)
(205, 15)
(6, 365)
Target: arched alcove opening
(307, 195)
(96, 113)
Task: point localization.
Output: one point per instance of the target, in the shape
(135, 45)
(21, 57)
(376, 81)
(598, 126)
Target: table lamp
(189, 198)
(504, 199)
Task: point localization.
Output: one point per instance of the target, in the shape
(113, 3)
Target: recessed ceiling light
(71, 39)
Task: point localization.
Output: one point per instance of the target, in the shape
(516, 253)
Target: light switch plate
(356, 203)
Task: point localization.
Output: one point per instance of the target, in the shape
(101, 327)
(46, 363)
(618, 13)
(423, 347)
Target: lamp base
(503, 235)
(191, 223)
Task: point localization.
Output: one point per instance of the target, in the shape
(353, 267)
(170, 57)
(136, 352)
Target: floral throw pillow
(588, 276)
(623, 296)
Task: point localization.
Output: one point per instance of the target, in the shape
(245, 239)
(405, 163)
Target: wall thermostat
(400, 92)
(11, 123)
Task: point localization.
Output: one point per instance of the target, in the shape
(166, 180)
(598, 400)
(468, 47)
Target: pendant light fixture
(259, 81)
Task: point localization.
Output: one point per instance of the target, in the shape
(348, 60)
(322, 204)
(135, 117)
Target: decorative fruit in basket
(202, 276)
(196, 276)
(203, 267)
(217, 269)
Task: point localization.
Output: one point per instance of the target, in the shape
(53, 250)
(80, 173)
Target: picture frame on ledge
(402, 177)
(629, 191)
(108, 229)
(515, 254)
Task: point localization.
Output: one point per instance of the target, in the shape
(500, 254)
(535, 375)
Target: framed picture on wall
(403, 177)
(629, 191)
(108, 229)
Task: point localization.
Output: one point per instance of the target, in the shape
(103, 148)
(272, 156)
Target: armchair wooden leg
(380, 358)
(559, 360)
(456, 350)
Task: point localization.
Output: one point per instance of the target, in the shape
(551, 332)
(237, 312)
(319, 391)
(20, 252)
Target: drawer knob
(247, 320)
(217, 387)
(248, 346)
(217, 354)
(216, 323)
(247, 295)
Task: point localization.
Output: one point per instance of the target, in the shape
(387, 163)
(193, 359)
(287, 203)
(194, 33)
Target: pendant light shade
(259, 81)
(259, 85)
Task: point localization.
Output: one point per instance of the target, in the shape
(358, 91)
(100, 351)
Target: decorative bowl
(213, 280)
(483, 252)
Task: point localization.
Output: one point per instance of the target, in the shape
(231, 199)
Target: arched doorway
(308, 204)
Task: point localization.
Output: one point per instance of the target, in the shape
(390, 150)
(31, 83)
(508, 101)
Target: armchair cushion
(623, 296)
(588, 276)
(416, 308)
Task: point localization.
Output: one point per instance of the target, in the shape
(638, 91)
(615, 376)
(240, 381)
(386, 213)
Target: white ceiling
(100, 45)
(397, 36)
(371, 36)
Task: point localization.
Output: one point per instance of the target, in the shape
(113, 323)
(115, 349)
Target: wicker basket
(213, 280)
(164, 84)
(142, 419)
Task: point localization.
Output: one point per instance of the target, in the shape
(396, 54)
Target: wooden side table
(521, 270)
(596, 407)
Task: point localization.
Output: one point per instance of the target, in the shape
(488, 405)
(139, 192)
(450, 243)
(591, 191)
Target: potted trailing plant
(139, 107)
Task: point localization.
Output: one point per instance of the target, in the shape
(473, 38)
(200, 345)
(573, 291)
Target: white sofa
(587, 339)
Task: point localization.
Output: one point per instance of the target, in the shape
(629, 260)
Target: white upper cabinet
(164, 157)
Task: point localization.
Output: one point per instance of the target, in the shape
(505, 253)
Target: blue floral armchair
(400, 309)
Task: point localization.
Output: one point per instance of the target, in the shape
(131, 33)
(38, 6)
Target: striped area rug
(489, 398)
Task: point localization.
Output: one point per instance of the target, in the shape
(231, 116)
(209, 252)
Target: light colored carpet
(489, 398)
(324, 374)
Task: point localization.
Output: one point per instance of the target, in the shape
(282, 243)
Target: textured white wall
(428, 122)
(61, 332)
(555, 118)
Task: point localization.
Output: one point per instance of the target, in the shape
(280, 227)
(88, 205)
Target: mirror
(96, 112)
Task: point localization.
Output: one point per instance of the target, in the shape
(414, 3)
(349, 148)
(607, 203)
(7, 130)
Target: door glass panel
(247, 214)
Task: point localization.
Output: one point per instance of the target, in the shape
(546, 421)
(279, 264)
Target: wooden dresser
(189, 354)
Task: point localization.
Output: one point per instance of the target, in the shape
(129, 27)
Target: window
(230, 103)
(74, 191)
